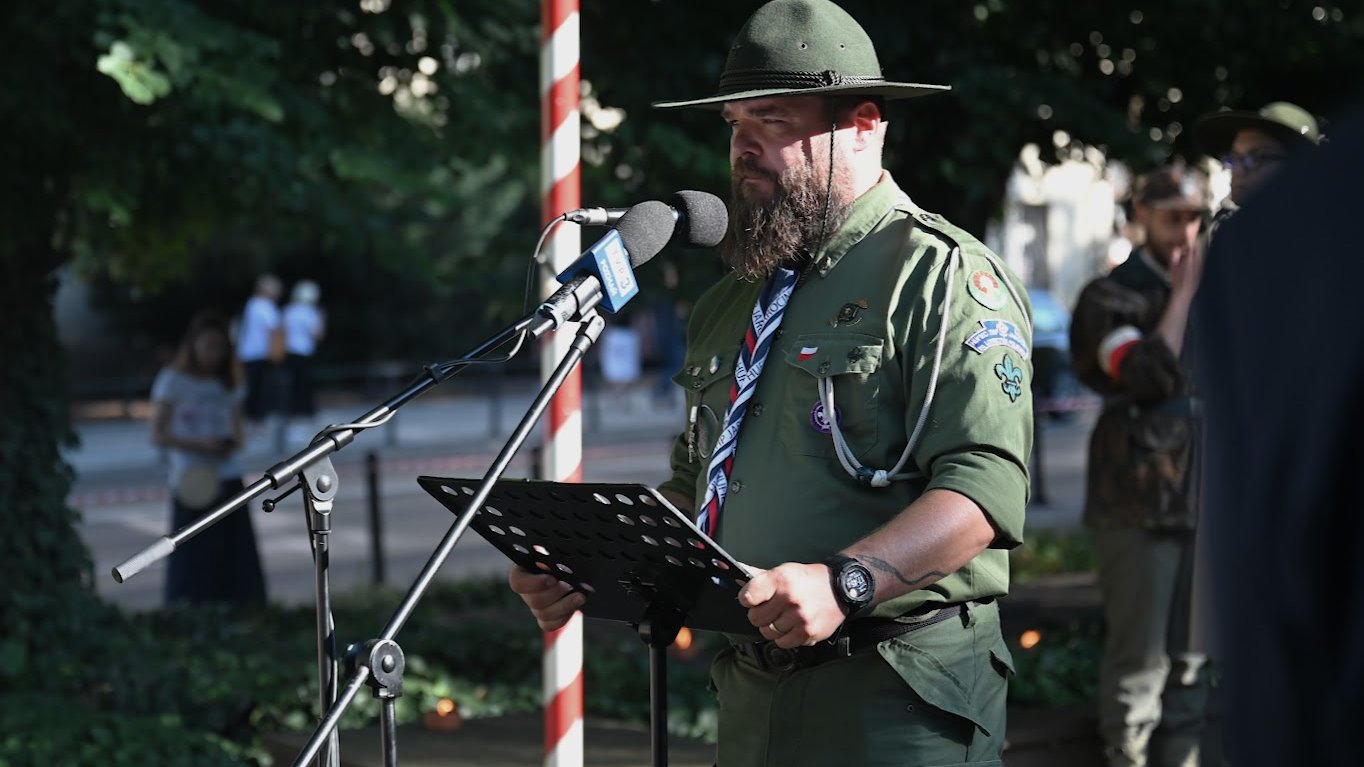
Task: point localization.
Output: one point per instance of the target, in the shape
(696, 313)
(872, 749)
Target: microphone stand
(312, 470)
(380, 662)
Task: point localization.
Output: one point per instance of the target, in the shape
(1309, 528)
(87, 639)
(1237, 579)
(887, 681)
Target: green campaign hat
(802, 48)
(1289, 123)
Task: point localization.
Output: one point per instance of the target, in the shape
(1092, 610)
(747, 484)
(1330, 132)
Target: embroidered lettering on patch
(997, 332)
(985, 288)
(1010, 377)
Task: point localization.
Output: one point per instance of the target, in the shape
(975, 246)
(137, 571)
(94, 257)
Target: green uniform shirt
(868, 314)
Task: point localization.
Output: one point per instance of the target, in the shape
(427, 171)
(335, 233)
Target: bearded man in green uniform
(859, 426)
(1127, 334)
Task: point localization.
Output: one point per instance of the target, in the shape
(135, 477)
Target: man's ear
(868, 123)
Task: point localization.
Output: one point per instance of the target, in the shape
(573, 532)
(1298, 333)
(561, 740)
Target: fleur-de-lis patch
(849, 314)
(1011, 378)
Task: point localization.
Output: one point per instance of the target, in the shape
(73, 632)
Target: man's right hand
(1187, 272)
(550, 600)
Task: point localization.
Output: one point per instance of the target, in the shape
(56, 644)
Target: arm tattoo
(889, 569)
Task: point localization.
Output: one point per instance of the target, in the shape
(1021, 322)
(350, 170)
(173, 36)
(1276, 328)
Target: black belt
(859, 635)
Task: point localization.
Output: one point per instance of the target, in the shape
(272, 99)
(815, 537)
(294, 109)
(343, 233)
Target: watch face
(856, 585)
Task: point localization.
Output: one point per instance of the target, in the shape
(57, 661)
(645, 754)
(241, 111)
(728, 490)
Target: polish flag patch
(806, 352)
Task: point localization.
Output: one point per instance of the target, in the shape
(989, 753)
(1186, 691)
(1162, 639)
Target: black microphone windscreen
(705, 219)
(645, 229)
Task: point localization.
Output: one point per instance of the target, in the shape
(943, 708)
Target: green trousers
(934, 696)
(1153, 691)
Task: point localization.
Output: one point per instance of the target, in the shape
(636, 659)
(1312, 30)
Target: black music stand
(639, 560)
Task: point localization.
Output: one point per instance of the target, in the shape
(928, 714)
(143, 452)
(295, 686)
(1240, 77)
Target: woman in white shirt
(197, 418)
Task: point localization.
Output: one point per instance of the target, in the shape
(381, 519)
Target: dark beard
(782, 231)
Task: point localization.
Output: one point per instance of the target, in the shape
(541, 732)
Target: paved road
(120, 486)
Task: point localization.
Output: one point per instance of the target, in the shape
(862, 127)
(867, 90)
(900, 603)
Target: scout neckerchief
(762, 328)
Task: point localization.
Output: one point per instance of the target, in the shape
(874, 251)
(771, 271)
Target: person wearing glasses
(1129, 344)
(1252, 145)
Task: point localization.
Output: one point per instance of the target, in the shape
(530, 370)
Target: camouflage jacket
(1143, 453)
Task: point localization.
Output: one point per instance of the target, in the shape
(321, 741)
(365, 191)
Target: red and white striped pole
(561, 186)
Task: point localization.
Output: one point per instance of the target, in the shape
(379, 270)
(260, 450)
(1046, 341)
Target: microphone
(605, 271)
(604, 274)
(703, 215)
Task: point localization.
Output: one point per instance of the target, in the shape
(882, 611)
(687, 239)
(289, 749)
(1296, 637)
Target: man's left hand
(792, 604)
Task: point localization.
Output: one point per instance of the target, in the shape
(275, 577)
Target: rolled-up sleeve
(979, 434)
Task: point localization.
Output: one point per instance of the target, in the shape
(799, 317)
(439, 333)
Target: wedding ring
(775, 630)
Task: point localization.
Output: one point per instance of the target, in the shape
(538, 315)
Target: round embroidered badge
(819, 421)
(985, 288)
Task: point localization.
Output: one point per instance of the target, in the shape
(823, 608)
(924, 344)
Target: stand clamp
(385, 661)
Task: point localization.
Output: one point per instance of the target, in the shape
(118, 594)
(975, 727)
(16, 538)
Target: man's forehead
(769, 106)
(1248, 139)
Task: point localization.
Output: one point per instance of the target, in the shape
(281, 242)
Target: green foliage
(42, 730)
(1052, 552)
(201, 685)
(1062, 669)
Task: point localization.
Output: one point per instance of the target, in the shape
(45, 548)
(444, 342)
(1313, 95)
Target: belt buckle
(778, 658)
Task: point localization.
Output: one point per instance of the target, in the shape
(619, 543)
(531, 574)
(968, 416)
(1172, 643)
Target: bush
(201, 685)
(1062, 668)
(47, 730)
(1052, 552)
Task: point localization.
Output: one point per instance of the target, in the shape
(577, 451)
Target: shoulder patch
(986, 289)
(997, 332)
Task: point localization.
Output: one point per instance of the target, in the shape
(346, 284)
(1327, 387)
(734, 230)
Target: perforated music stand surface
(634, 554)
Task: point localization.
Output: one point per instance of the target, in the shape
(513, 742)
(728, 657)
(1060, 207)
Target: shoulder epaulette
(950, 233)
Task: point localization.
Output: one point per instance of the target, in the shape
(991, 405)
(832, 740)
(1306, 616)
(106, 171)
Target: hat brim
(889, 91)
(1178, 203)
(1216, 132)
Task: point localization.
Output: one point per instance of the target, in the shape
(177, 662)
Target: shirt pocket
(706, 379)
(852, 363)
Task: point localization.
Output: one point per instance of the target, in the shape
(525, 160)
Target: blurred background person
(260, 347)
(620, 360)
(1252, 145)
(1128, 338)
(304, 326)
(197, 417)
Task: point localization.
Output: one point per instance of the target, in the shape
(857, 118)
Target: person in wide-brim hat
(802, 48)
(835, 275)
(1252, 144)
(1288, 123)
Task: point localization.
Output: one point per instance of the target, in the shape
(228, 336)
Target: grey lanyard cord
(883, 477)
(1013, 293)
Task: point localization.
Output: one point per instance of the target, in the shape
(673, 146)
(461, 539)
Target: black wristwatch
(852, 582)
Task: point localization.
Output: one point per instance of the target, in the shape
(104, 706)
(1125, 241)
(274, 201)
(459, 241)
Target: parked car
(1055, 389)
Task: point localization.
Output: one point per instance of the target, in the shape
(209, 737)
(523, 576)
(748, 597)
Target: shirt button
(696, 384)
(757, 409)
(778, 332)
(736, 487)
(823, 367)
